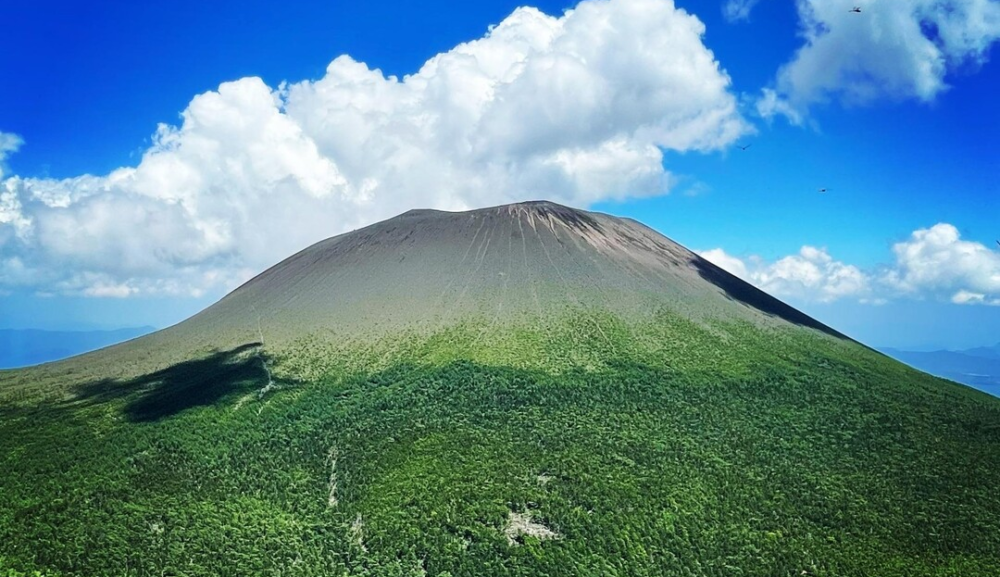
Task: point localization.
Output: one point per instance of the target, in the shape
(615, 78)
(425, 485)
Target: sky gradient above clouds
(302, 123)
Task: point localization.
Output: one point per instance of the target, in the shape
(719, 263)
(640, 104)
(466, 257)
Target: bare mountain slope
(428, 269)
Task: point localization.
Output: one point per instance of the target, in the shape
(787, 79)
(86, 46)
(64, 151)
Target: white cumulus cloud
(576, 108)
(727, 262)
(937, 261)
(933, 263)
(810, 275)
(896, 49)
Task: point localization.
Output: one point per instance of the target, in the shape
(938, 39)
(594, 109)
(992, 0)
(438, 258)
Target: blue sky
(893, 110)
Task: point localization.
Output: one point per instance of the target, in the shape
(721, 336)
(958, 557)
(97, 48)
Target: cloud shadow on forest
(195, 383)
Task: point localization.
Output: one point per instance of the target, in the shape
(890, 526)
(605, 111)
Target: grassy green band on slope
(663, 447)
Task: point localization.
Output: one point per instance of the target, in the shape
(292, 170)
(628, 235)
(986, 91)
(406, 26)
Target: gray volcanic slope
(426, 269)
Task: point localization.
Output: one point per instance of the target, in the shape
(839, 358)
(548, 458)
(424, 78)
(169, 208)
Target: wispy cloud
(576, 108)
(898, 49)
(9, 144)
(738, 10)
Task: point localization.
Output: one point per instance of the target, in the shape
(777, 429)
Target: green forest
(587, 445)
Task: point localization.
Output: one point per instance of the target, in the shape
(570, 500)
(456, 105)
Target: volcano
(518, 390)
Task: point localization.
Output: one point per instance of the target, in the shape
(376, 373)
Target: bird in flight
(744, 147)
(856, 9)
(824, 189)
(998, 242)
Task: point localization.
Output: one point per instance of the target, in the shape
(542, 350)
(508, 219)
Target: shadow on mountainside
(196, 383)
(739, 290)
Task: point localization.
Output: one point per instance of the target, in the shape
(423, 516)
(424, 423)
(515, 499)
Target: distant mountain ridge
(25, 347)
(977, 367)
(985, 352)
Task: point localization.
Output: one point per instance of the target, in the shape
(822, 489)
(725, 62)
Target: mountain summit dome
(425, 270)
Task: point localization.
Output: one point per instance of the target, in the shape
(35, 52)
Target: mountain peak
(426, 270)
